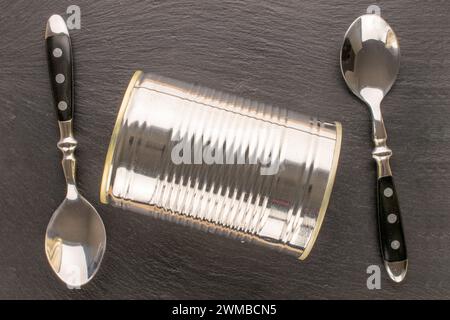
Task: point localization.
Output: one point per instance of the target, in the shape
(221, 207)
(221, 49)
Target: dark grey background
(281, 52)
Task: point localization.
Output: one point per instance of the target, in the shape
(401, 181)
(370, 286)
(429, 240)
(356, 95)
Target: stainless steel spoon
(370, 59)
(75, 240)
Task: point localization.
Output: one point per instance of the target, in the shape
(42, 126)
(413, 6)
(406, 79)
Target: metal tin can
(198, 156)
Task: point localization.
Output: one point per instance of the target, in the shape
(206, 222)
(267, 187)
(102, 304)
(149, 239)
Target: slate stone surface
(280, 52)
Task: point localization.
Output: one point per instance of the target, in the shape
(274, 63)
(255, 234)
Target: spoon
(75, 240)
(370, 59)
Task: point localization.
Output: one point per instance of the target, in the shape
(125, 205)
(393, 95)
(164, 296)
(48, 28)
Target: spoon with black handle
(370, 59)
(75, 240)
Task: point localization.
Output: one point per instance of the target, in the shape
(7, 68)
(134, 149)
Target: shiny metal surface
(283, 208)
(370, 60)
(75, 240)
(55, 25)
(396, 270)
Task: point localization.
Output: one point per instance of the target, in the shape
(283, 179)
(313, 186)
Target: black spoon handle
(59, 55)
(392, 240)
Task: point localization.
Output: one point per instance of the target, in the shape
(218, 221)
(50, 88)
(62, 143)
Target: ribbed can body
(223, 163)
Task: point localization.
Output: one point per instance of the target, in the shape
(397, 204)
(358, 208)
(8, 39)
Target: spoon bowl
(75, 240)
(370, 58)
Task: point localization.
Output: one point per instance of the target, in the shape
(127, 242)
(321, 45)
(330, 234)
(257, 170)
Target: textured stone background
(281, 52)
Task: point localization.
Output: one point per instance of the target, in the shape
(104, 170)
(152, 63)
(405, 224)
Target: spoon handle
(59, 55)
(392, 240)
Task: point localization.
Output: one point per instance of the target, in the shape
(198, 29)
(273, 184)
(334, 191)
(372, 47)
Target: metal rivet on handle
(57, 52)
(60, 78)
(395, 244)
(392, 218)
(388, 192)
(62, 105)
